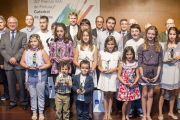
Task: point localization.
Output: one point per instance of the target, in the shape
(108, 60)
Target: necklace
(34, 49)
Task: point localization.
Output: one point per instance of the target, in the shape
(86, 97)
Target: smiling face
(2, 24)
(84, 69)
(43, 24)
(59, 32)
(34, 43)
(12, 23)
(110, 46)
(64, 70)
(110, 24)
(29, 21)
(99, 22)
(170, 23)
(73, 20)
(85, 37)
(124, 25)
(151, 34)
(135, 33)
(172, 35)
(84, 26)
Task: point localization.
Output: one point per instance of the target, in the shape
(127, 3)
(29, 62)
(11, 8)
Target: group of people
(128, 63)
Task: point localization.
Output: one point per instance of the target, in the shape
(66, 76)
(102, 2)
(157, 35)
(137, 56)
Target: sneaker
(4, 97)
(140, 112)
(131, 113)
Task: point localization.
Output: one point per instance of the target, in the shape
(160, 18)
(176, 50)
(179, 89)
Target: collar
(100, 29)
(31, 28)
(166, 32)
(15, 31)
(123, 32)
(107, 32)
(73, 26)
(3, 30)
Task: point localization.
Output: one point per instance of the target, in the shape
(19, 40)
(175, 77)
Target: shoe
(140, 112)
(160, 118)
(131, 113)
(178, 110)
(10, 107)
(173, 117)
(25, 107)
(41, 117)
(34, 116)
(148, 117)
(4, 97)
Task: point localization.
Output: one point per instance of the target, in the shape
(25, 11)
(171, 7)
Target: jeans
(137, 102)
(82, 110)
(47, 85)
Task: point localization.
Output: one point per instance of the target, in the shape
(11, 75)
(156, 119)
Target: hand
(145, 79)
(77, 91)
(176, 58)
(12, 61)
(155, 78)
(55, 59)
(111, 70)
(106, 72)
(2, 66)
(131, 85)
(65, 59)
(67, 82)
(31, 68)
(84, 91)
(91, 71)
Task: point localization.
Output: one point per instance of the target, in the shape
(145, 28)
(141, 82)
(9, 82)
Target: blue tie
(12, 38)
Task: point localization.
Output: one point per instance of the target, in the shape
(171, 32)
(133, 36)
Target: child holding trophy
(128, 74)
(108, 66)
(36, 61)
(170, 71)
(83, 86)
(63, 86)
(61, 49)
(149, 62)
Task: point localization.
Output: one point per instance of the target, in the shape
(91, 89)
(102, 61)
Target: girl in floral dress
(128, 74)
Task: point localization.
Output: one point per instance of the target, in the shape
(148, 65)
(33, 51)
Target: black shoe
(25, 107)
(10, 107)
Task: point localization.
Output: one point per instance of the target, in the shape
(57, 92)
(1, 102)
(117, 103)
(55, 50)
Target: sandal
(41, 116)
(149, 117)
(34, 116)
(110, 117)
(143, 118)
(105, 117)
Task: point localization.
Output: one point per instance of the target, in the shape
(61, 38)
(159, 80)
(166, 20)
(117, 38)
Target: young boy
(83, 86)
(63, 86)
(135, 42)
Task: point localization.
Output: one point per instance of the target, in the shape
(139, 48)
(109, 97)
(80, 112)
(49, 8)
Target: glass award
(62, 80)
(150, 76)
(106, 66)
(34, 61)
(80, 88)
(171, 54)
(58, 54)
(130, 78)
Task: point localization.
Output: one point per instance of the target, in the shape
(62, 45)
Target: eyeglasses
(99, 21)
(169, 23)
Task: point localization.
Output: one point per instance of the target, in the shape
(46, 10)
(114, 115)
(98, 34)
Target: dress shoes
(25, 107)
(10, 107)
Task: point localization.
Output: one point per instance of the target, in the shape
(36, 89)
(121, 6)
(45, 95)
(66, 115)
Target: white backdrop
(58, 10)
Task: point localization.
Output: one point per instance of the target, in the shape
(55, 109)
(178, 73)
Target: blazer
(68, 31)
(1, 57)
(94, 32)
(121, 31)
(16, 50)
(89, 86)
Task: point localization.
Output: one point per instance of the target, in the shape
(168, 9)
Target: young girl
(128, 74)
(108, 66)
(86, 51)
(36, 61)
(61, 49)
(150, 62)
(170, 71)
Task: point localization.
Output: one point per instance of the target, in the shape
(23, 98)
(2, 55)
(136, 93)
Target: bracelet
(141, 76)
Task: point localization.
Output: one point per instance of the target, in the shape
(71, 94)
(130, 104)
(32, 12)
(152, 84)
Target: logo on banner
(96, 101)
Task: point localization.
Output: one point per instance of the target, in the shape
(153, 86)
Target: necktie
(98, 31)
(12, 38)
(74, 32)
(109, 33)
(123, 37)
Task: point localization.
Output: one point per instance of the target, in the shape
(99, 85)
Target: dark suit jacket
(16, 50)
(94, 32)
(89, 86)
(68, 31)
(1, 57)
(128, 37)
(127, 32)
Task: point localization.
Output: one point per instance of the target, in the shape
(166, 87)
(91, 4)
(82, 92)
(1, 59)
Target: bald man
(163, 36)
(147, 25)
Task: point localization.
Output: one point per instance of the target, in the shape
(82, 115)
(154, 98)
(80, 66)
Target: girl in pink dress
(128, 74)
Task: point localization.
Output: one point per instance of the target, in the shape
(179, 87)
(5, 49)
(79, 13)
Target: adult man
(163, 36)
(72, 29)
(124, 27)
(12, 47)
(128, 36)
(3, 30)
(99, 26)
(147, 25)
(45, 35)
(110, 24)
(29, 29)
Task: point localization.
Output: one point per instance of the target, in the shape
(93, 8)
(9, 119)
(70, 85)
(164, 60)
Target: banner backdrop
(58, 10)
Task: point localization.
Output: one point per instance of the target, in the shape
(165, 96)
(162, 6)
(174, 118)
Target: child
(63, 86)
(135, 42)
(108, 66)
(128, 74)
(36, 61)
(61, 49)
(170, 71)
(149, 62)
(83, 86)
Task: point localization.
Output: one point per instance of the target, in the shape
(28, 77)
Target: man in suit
(3, 30)
(12, 47)
(73, 28)
(163, 36)
(124, 27)
(99, 26)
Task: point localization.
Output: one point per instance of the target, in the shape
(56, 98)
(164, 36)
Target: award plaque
(171, 54)
(80, 88)
(34, 61)
(58, 54)
(151, 75)
(130, 78)
(106, 66)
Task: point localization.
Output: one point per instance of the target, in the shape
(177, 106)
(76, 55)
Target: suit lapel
(16, 38)
(78, 80)
(87, 80)
(8, 38)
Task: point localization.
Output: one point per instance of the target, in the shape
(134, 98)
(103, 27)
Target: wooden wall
(153, 11)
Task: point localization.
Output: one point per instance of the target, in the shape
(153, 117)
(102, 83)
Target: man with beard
(29, 29)
(124, 27)
(164, 35)
(110, 24)
(45, 35)
(99, 26)
(3, 30)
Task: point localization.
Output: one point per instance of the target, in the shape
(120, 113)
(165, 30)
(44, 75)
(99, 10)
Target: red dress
(126, 93)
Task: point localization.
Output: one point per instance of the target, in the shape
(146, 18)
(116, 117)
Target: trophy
(151, 75)
(106, 66)
(80, 88)
(171, 54)
(58, 54)
(62, 80)
(34, 61)
(130, 78)
(91, 62)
